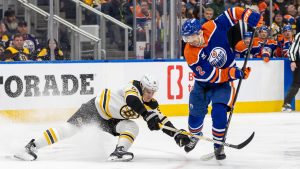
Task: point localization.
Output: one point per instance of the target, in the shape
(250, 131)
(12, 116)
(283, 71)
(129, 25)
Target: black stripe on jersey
(50, 136)
(163, 119)
(128, 136)
(294, 48)
(104, 100)
(137, 84)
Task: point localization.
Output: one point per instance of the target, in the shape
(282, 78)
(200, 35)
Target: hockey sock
(53, 135)
(128, 130)
(195, 124)
(219, 118)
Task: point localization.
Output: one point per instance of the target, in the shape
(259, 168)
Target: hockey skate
(192, 144)
(286, 108)
(120, 155)
(29, 154)
(219, 153)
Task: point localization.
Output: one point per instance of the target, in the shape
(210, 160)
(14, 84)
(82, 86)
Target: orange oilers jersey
(210, 62)
(284, 46)
(241, 49)
(270, 44)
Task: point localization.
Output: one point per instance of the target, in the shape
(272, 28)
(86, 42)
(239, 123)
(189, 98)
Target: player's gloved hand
(237, 73)
(254, 19)
(152, 120)
(181, 138)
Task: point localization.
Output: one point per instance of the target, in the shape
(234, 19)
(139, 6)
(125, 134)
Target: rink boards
(54, 90)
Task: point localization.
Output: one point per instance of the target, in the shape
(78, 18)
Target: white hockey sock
(128, 131)
(52, 135)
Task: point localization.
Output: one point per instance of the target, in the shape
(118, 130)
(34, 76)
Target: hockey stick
(236, 146)
(237, 92)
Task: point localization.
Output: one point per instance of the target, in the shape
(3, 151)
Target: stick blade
(246, 142)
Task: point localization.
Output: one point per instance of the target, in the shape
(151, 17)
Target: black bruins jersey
(13, 54)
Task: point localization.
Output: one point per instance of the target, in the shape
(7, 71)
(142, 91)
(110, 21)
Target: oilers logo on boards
(217, 57)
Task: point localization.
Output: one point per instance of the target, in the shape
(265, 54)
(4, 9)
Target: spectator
(16, 52)
(283, 4)
(241, 47)
(45, 53)
(10, 22)
(291, 10)
(208, 14)
(218, 7)
(4, 38)
(277, 26)
(184, 14)
(268, 46)
(290, 20)
(231, 3)
(250, 4)
(191, 5)
(113, 9)
(30, 41)
(286, 42)
(143, 20)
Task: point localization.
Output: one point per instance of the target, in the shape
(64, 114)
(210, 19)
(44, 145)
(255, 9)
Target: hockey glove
(152, 120)
(181, 138)
(237, 73)
(254, 19)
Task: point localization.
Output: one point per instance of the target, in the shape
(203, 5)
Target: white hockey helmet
(149, 83)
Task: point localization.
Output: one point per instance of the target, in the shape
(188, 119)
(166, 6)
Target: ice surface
(276, 145)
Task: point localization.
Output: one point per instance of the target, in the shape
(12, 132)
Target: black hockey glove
(181, 138)
(152, 120)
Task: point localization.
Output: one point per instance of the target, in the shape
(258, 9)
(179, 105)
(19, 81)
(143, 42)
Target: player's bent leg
(49, 137)
(128, 131)
(219, 118)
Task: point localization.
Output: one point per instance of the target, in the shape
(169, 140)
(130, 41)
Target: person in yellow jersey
(16, 52)
(113, 111)
(45, 53)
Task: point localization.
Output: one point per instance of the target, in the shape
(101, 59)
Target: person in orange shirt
(286, 42)
(241, 48)
(268, 46)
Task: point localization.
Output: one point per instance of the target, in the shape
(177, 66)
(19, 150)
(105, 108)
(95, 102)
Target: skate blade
(125, 158)
(23, 157)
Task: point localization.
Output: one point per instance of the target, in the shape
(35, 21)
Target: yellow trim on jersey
(5, 38)
(104, 103)
(107, 103)
(147, 107)
(53, 134)
(101, 105)
(47, 138)
(42, 53)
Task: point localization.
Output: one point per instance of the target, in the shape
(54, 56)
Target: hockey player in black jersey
(112, 110)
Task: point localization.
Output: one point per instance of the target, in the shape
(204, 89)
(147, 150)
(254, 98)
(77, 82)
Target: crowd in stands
(17, 44)
(272, 40)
